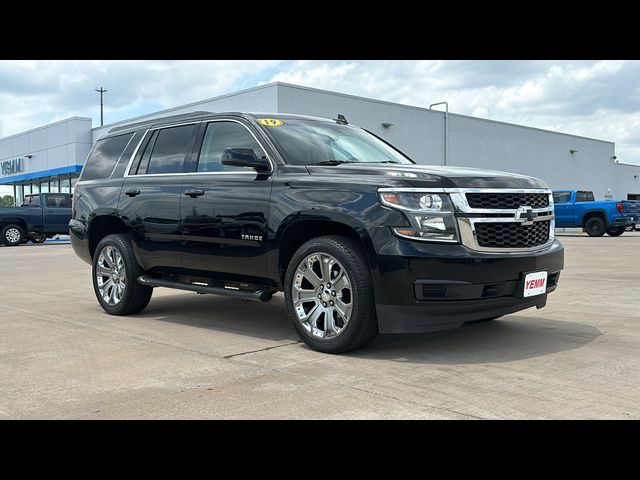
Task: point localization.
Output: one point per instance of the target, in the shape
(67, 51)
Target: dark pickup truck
(360, 239)
(40, 217)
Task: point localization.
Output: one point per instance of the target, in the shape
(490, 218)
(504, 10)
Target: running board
(257, 295)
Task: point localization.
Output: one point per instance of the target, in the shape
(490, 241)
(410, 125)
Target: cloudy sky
(598, 99)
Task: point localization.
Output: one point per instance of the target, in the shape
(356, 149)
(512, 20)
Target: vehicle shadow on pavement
(261, 320)
(507, 339)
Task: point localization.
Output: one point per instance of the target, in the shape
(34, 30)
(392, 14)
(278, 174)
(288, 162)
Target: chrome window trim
(133, 155)
(248, 172)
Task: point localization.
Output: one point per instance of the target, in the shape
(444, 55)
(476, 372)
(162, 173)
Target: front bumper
(462, 285)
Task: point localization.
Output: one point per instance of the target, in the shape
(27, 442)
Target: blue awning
(42, 173)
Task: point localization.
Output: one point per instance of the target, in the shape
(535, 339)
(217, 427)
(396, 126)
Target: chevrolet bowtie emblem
(525, 215)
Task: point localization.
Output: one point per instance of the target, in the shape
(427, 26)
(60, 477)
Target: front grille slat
(512, 235)
(505, 201)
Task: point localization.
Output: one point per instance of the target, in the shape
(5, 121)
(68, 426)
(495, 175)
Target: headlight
(430, 214)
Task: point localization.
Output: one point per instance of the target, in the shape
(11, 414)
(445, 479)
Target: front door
(57, 212)
(563, 208)
(224, 208)
(151, 195)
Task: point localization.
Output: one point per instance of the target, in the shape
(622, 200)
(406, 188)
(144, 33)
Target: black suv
(360, 238)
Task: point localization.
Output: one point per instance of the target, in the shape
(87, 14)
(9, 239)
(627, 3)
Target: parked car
(360, 238)
(578, 208)
(40, 216)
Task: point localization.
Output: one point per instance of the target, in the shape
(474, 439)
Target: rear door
(563, 208)
(225, 208)
(57, 212)
(152, 192)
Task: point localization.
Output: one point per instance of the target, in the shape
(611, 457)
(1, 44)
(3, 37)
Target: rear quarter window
(104, 157)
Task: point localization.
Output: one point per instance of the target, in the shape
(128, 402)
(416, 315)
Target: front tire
(615, 231)
(329, 295)
(12, 235)
(115, 277)
(595, 227)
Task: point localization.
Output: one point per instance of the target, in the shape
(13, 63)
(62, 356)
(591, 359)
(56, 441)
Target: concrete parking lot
(195, 356)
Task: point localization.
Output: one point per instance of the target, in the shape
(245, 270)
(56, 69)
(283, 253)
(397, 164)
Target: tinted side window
(221, 135)
(584, 197)
(170, 149)
(104, 157)
(561, 197)
(31, 201)
(58, 201)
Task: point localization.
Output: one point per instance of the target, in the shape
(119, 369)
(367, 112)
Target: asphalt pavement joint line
(261, 349)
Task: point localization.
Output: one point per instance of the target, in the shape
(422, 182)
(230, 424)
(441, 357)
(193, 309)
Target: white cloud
(599, 99)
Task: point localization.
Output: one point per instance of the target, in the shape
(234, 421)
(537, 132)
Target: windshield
(309, 142)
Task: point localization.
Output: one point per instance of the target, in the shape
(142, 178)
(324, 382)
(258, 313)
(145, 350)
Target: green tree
(7, 201)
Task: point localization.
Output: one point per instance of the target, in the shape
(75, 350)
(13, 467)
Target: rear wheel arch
(100, 227)
(595, 213)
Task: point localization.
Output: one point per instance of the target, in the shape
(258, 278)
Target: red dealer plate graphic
(535, 284)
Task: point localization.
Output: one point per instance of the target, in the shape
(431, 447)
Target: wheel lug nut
(319, 296)
(328, 285)
(333, 293)
(324, 305)
(321, 286)
(331, 303)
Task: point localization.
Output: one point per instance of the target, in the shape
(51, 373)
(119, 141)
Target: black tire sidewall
(132, 289)
(591, 231)
(615, 231)
(34, 239)
(3, 235)
(363, 308)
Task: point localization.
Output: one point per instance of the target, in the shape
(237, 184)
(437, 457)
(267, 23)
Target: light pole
(446, 127)
(102, 91)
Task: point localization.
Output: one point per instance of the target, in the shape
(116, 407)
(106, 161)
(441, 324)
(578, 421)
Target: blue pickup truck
(40, 217)
(578, 208)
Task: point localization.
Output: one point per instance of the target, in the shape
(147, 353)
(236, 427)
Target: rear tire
(344, 285)
(615, 231)
(595, 227)
(38, 238)
(114, 261)
(12, 235)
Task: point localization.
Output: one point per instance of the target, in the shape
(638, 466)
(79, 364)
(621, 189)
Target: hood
(431, 176)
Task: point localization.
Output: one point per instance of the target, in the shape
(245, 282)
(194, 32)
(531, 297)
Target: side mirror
(244, 157)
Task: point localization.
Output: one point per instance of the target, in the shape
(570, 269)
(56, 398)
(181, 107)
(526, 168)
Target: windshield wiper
(332, 162)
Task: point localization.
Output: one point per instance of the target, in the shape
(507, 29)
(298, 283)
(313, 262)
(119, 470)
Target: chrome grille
(503, 220)
(512, 235)
(507, 200)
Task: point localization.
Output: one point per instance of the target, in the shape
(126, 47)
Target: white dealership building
(50, 158)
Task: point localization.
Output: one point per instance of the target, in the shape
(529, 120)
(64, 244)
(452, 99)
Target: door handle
(132, 192)
(194, 192)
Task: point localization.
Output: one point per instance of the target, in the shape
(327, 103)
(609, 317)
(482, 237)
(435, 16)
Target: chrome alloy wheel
(12, 235)
(111, 275)
(322, 296)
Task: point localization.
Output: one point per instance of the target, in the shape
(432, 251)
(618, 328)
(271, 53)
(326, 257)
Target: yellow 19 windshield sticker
(270, 122)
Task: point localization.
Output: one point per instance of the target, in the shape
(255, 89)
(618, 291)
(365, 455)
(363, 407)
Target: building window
(65, 185)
